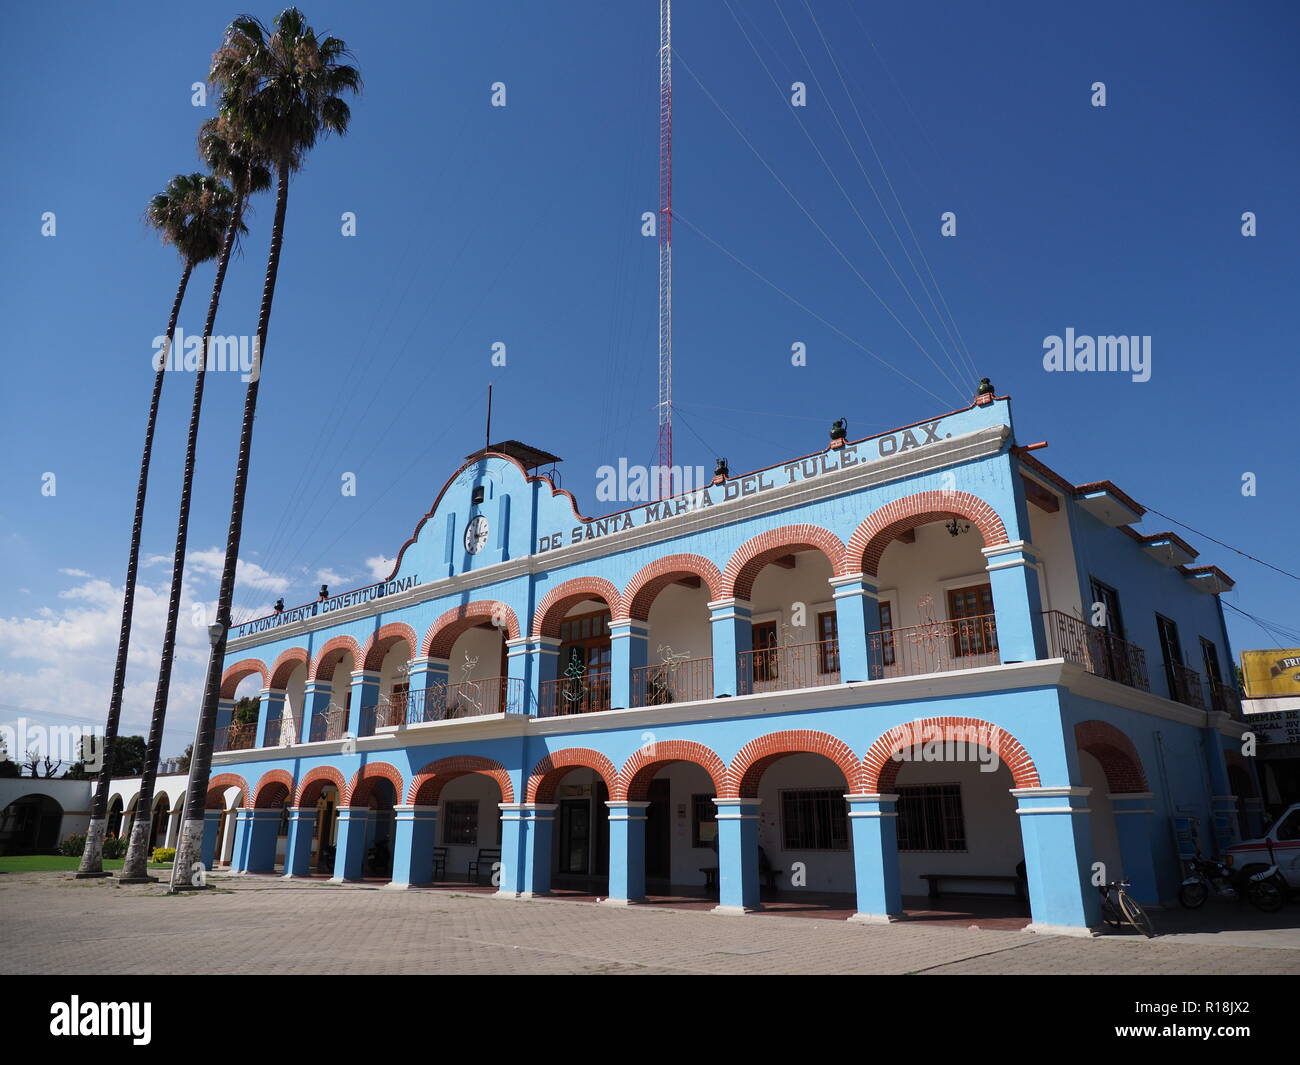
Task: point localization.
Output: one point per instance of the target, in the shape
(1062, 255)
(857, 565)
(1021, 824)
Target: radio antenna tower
(665, 485)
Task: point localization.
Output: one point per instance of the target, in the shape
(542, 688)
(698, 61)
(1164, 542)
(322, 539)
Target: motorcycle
(1206, 877)
(1267, 889)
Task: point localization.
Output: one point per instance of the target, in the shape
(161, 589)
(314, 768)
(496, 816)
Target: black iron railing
(935, 647)
(1184, 685)
(801, 665)
(447, 702)
(237, 737)
(680, 681)
(1100, 652)
(581, 694)
(1224, 698)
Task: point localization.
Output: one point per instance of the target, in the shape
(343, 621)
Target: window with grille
(815, 820)
(828, 647)
(887, 632)
(460, 823)
(930, 818)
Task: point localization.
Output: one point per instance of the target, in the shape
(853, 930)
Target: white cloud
(74, 572)
(380, 567)
(332, 577)
(247, 574)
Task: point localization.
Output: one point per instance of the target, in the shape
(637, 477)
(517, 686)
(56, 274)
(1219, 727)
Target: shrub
(73, 846)
(163, 854)
(115, 847)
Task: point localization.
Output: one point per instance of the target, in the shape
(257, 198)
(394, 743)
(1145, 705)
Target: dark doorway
(30, 825)
(658, 838)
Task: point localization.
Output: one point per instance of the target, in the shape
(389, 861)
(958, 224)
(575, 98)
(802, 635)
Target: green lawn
(56, 863)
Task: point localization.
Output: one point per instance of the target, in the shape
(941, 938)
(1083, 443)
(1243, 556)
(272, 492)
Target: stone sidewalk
(51, 923)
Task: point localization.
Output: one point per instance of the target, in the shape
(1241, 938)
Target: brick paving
(51, 923)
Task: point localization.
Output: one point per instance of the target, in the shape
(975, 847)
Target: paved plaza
(52, 923)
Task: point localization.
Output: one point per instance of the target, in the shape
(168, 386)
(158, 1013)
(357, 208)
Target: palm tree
(181, 215)
(282, 91)
(227, 203)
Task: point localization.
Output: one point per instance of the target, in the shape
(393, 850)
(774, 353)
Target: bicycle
(1124, 909)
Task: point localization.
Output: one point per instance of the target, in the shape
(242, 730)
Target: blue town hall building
(918, 660)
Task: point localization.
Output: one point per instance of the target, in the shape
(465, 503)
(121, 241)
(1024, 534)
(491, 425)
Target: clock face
(476, 535)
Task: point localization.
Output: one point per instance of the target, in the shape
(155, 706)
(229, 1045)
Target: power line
(1243, 554)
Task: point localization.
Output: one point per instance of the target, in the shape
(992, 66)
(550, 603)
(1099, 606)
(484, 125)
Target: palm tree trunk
(190, 844)
(135, 868)
(92, 858)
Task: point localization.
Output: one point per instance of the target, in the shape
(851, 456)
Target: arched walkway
(885, 525)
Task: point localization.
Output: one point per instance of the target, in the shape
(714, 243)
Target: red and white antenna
(665, 486)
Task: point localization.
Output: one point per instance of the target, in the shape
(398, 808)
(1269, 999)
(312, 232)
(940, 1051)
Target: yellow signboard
(1270, 674)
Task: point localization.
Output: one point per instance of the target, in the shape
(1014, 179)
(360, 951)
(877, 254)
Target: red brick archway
(1115, 751)
(309, 790)
(329, 656)
(273, 790)
(383, 641)
(882, 528)
(285, 666)
(753, 555)
(234, 674)
(564, 597)
(362, 788)
(642, 590)
(747, 768)
(551, 770)
(426, 787)
(880, 768)
(216, 796)
(444, 632)
(633, 783)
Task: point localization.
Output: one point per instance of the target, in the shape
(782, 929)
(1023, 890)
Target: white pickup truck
(1279, 846)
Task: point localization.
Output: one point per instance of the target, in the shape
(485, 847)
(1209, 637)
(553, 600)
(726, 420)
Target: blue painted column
(365, 697)
(225, 714)
(270, 710)
(302, 828)
(737, 855)
(428, 680)
(262, 835)
(415, 831)
(1017, 601)
(626, 851)
(628, 650)
(1223, 803)
(509, 879)
(350, 843)
(540, 828)
(544, 657)
(873, 821)
(1057, 836)
(1135, 825)
(239, 856)
(732, 632)
(208, 847)
(316, 702)
(857, 616)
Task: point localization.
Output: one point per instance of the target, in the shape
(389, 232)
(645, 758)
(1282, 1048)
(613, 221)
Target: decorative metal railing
(328, 725)
(1100, 652)
(1224, 698)
(1184, 685)
(802, 665)
(935, 647)
(674, 681)
(237, 737)
(574, 693)
(447, 702)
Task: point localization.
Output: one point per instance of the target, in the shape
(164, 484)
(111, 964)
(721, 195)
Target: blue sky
(522, 225)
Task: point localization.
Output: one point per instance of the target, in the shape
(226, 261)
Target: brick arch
(880, 768)
(747, 768)
(329, 655)
(550, 770)
(881, 528)
(563, 597)
(275, 783)
(754, 554)
(382, 641)
(314, 783)
(444, 632)
(645, 586)
(285, 665)
(634, 778)
(217, 790)
(1115, 751)
(426, 787)
(360, 791)
(234, 674)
